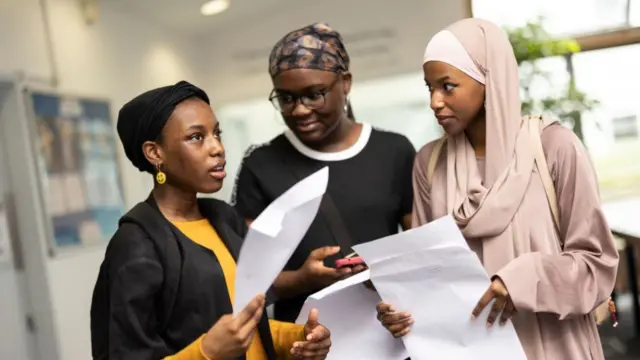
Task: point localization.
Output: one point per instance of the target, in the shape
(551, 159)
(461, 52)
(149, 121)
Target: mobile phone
(349, 260)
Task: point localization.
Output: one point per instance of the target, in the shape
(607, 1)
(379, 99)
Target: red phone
(349, 260)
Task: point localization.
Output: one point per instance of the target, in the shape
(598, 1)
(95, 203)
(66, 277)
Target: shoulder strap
(327, 206)
(543, 168)
(337, 225)
(604, 309)
(433, 159)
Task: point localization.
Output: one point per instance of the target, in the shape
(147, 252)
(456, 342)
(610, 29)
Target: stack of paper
(348, 309)
(431, 272)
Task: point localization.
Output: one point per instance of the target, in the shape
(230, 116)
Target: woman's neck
(176, 204)
(344, 136)
(477, 134)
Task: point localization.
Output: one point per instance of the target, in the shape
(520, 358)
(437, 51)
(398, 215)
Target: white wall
(117, 58)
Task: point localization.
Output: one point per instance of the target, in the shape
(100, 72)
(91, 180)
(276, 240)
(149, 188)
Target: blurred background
(67, 66)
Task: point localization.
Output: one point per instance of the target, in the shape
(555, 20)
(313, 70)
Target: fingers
(401, 332)
(324, 252)
(250, 310)
(359, 268)
(312, 322)
(383, 307)
(393, 318)
(484, 300)
(397, 323)
(399, 328)
(249, 318)
(507, 313)
(496, 309)
(301, 350)
(314, 349)
(318, 333)
(249, 327)
(502, 307)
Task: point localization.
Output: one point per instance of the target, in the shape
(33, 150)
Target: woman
(369, 192)
(546, 281)
(165, 287)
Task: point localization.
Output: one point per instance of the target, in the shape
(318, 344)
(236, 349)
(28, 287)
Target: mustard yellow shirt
(284, 334)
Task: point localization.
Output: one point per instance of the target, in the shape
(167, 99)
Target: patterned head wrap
(315, 46)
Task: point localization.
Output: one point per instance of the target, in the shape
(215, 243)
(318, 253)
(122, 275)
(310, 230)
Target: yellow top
(284, 334)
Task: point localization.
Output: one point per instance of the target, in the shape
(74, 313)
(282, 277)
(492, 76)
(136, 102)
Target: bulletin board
(76, 154)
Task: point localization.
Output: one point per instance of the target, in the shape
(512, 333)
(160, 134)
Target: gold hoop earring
(161, 177)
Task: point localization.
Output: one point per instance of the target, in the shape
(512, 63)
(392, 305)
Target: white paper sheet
(348, 309)
(431, 273)
(274, 236)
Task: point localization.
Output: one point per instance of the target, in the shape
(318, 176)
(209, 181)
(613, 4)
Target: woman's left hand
(503, 306)
(318, 340)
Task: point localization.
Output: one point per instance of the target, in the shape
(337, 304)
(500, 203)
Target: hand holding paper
(502, 306)
(348, 309)
(317, 340)
(274, 236)
(430, 273)
(317, 276)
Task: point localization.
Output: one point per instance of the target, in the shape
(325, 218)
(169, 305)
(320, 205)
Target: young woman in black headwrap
(369, 193)
(165, 287)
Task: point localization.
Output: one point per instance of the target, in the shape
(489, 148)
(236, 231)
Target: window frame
(589, 42)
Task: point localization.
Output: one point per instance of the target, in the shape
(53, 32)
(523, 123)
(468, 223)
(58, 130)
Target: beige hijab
(488, 209)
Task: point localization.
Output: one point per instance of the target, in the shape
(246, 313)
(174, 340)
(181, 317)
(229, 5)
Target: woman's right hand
(231, 336)
(397, 323)
(314, 272)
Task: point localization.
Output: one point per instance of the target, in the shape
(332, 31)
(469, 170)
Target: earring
(346, 107)
(161, 177)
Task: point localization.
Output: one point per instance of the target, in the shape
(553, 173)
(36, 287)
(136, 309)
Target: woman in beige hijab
(485, 173)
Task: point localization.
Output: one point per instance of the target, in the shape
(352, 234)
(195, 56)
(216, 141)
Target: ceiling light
(214, 7)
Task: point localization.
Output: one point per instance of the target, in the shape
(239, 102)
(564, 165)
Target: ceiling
(382, 38)
(184, 15)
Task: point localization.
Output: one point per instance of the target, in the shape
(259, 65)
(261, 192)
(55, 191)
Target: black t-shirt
(369, 183)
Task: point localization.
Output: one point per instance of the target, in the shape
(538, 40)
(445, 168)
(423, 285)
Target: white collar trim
(345, 154)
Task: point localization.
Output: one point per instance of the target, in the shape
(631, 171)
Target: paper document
(431, 272)
(274, 236)
(348, 309)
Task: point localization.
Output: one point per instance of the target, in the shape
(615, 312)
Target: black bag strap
(301, 170)
(336, 224)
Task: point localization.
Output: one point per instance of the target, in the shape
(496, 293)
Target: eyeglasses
(286, 103)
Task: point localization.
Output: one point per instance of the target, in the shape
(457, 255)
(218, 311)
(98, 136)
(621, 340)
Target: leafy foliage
(532, 42)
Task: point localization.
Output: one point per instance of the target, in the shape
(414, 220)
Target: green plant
(532, 42)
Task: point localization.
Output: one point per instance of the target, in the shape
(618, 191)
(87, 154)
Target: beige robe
(553, 287)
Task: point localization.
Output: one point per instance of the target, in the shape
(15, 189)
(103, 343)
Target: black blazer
(158, 291)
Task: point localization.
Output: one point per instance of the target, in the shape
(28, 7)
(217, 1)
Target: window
(562, 18)
(625, 127)
(611, 129)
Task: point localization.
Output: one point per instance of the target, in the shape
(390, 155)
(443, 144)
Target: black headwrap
(143, 118)
(315, 46)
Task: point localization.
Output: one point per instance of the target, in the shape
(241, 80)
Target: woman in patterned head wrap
(522, 191)
(369, 193)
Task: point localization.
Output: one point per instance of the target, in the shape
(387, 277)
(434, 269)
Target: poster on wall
(78, 167)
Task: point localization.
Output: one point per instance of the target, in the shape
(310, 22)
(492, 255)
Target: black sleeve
(238, 223)
(124, 318)
(248, 197)
(405, 172)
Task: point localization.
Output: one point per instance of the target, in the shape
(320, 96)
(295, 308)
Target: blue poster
(79, 170)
